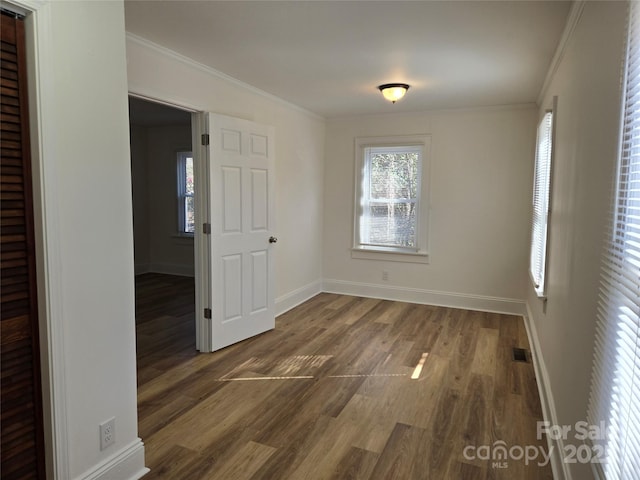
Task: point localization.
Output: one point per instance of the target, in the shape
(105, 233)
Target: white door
(241, 200)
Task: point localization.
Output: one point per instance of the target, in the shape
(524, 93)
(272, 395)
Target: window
(186, 213)
(615, 384)
(391, 196)
(541, 189)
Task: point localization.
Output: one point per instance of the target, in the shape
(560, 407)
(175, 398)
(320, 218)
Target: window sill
(389, 254)
(540, 293)
(182, 239)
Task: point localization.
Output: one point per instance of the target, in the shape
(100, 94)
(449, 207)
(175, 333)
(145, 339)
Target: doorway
(162, 177)
(226, 222)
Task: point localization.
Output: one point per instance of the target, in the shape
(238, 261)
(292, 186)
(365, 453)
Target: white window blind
(615, 385)
(541, 187)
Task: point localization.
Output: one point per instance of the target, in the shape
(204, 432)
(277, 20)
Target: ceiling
(329, 56)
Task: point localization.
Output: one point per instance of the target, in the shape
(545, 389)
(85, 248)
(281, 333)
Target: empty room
(256, 240)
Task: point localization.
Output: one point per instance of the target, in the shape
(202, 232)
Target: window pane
(389, 203)
(189, 175)
(390, 209)
(392, 224)
(189, 214)
(394, 175)
(186, 191)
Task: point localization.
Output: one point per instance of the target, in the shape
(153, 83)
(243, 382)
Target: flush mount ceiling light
(393, 91)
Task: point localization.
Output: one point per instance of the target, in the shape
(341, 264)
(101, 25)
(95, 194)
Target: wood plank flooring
(329, 395)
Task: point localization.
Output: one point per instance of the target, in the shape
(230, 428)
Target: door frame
(201, 247)
(201, 244)
(37, 19)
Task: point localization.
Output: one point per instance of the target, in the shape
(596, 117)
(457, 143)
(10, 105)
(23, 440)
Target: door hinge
(205, 139)
(206, 228)
(207, 313)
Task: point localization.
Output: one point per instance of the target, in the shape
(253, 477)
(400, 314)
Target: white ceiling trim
(159, 99)
(216, 73)
(422, 113)
(572, 21)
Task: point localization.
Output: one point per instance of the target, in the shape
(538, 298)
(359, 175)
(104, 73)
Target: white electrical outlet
(107, 433)
(385, 275)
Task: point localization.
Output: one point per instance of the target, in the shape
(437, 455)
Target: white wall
(587, 83)
(159, 74)
(480, 208)
(158, 247)
(85, 178)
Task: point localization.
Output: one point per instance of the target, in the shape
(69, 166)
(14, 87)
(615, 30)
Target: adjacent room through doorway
(162, 177)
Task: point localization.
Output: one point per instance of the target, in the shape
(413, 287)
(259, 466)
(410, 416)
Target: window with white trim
(615, 383)
(186, 211)
(391, 196)
(541, 193)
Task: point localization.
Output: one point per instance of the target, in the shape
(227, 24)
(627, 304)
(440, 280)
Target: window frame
(181, 190)
(419, 254)
(542, 194)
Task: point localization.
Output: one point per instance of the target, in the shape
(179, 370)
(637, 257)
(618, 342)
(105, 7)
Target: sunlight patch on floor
(418, 370)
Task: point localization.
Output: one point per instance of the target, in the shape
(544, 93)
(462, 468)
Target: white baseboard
(167, 268)
(558, 466)
(290, 300)
(127, 464)
(141, 268)
(427, 297)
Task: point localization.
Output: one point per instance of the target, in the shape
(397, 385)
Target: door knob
(273, 240)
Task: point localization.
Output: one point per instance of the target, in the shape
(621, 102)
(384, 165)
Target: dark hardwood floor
(329, 393)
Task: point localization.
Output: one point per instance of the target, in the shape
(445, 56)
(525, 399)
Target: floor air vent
(520, 355)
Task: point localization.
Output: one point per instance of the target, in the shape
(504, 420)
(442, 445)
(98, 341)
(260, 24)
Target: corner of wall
(572, 21)
(292, 299)
(559, 467)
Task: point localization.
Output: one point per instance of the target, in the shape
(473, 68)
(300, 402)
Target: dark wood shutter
(20, 391)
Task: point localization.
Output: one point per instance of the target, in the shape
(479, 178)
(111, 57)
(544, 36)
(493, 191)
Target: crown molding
(572, 21)
(216, 73)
